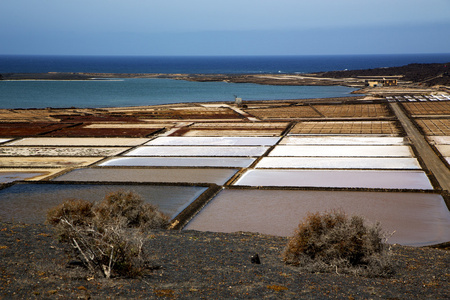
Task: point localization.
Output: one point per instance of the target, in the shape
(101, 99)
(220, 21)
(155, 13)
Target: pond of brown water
(417, 219)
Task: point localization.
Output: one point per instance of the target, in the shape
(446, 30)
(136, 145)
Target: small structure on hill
(374, 81)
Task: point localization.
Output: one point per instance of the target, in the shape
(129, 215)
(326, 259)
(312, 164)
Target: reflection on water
(418, 219)
(29, 203)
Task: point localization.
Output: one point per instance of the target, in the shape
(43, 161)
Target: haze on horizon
(233, 27)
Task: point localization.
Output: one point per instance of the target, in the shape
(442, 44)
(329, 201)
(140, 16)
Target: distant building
(389, 82)
(381, 81)
(372, 83)
(238, 101)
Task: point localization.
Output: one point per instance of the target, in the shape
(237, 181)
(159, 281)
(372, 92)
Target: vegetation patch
(334, 242)
(108, 236)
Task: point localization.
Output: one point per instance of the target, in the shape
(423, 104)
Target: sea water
(141, 91)
(134, 92)
(209, 64)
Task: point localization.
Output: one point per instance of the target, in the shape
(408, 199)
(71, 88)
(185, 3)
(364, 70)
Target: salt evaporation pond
(442, 140)
(6, 177)
(55, 141)
(350, 151)
(213, 141)
(219, 132)
(29, 203)
(418, 219)
(341, 140)
(46, 162)
(337, 178)
(61, 151)
(444, 149)
(33, 174)
(197, 151)
(227, 162)
(339, 163)
(187, 175)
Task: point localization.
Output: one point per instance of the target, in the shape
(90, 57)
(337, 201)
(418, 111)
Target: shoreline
(264, 79)
(412, 78)
(203, 264)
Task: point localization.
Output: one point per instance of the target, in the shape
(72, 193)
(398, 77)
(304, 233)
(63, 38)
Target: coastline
(196, 264)
(265, 79)
(426, 77)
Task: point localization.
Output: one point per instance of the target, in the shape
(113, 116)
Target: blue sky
(219, 27)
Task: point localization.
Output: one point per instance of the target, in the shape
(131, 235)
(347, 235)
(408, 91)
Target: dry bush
(334, 242)
(130, 209)
(78, 212)
(108, 236)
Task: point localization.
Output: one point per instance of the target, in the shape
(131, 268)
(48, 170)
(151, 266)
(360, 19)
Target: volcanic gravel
(205, 265)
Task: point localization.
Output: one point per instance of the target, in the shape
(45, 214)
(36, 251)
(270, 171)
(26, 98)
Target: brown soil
(434, 126)
(428, 108)
(191, 264)
(347, 127)
(81, 131)
(322, 111)
(29, 129)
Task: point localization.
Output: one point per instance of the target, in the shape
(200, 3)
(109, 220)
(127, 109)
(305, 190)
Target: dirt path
(429, 157)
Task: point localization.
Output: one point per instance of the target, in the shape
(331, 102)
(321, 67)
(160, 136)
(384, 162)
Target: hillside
(428, 74)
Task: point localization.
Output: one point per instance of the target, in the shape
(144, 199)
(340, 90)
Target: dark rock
(255, 259)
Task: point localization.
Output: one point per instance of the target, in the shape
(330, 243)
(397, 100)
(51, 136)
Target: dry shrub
(334, 242)
(79, 211)
(130, 209)
(108, 236)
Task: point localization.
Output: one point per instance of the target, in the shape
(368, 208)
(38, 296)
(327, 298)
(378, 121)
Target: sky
(219, 27)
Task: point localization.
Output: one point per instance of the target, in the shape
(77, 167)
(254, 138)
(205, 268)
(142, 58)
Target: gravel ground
(207, 265)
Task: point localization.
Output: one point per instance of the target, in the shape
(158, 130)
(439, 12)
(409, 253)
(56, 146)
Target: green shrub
(108, 236)
(334, 242)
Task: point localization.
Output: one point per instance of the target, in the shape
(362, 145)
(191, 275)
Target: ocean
(135, 92)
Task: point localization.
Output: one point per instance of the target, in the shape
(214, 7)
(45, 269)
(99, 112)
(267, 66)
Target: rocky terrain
(425, 74)
(205, 265)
